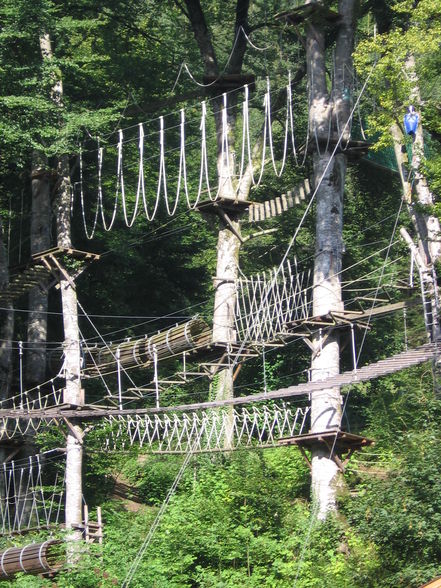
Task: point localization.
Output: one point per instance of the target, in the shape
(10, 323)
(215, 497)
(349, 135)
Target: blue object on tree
(411, 119)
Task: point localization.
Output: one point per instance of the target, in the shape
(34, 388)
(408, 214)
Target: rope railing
(208, 430)
(30, 498)
(168, 172)
(276, 298)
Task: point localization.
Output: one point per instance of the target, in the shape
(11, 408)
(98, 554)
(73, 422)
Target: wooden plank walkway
(260, 211)
(384, 367)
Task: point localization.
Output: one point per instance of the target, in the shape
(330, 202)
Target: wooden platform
(68, 252)
(340, 444)
(41, 268)
(228, 205)
(345, 318)
(344, 441)
(314, 12)
(353, 149)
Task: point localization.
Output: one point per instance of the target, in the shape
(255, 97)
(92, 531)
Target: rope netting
(275, 298)
(31, 494)
(13, 427)
(209, 430)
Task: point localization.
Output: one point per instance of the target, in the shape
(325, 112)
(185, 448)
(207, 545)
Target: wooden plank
(285, 206)
(278, 203)
(273, 208)
(290, 199)
(384, 367)
(267, 210)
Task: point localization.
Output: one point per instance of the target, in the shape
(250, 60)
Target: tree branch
(236, 61)
(202, 35)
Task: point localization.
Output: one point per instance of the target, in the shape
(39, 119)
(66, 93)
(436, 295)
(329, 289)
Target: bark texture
(327, 118)
(38, 297)
(228, 245)
(72, 361)
(72, 358)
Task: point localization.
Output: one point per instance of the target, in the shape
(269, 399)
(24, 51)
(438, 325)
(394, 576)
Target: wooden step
(259, 212)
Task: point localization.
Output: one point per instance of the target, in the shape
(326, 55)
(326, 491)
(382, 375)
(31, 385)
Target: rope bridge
(210, 430)
(27, 502)
(267, 302)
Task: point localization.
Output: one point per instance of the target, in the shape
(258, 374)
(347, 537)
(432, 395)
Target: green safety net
(386, 157)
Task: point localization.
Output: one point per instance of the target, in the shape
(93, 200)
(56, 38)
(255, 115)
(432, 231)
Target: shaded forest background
(240, 518)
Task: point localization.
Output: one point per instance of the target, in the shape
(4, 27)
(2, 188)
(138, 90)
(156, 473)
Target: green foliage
(243, 519)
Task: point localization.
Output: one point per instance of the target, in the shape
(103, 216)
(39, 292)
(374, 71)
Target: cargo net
(267, 302)
(211, 430)
(31, 494)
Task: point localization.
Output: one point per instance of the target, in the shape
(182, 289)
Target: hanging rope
(29, 500)
(205, 431)
(230, 166)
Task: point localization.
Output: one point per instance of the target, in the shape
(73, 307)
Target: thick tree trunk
(327, 118)
(72, 362)
(38, 297)
(326, 405)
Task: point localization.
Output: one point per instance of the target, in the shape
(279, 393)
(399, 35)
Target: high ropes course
(176, 176)
(272, 309)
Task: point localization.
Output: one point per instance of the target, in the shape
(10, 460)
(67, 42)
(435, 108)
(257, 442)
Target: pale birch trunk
(326, 405)
(72, 362)
(72, 358)
(38, 297)
(228, 250)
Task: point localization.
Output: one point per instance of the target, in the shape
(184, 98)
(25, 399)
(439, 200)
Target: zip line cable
(294, 237)
(316, 505)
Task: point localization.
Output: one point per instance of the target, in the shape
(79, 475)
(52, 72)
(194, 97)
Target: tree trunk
(72, 362)
(38, 297)
(228, 245)
(327, 118)
(72, 358)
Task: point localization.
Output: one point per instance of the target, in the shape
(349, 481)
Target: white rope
(83, 212)
(27, 501)
(225, 172)
(204, 431)
(306, 212)
(108, 227)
